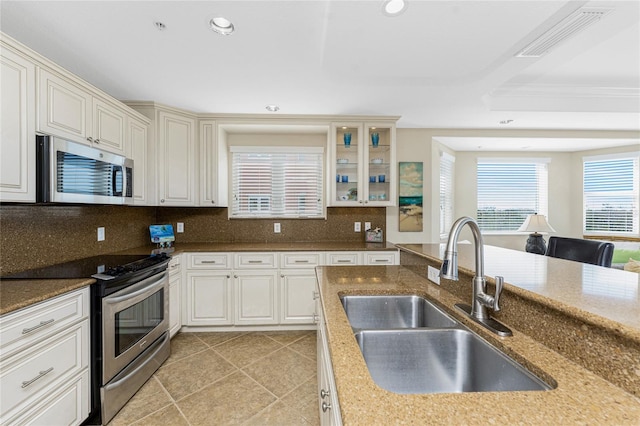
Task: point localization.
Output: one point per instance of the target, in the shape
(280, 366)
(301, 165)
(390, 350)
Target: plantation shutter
(510, 189)
(277, 182)
(610, 194)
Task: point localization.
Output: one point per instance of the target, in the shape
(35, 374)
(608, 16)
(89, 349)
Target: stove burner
(120, 270)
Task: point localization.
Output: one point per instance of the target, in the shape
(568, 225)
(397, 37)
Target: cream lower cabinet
(297, 286)
(207, 297)
(175, 294)
(44, 363)
(256, 297)
(328, 406)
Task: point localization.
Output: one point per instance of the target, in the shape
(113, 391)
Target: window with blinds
(611, 194)
(447, 170)
(509, 189)
(283, 182)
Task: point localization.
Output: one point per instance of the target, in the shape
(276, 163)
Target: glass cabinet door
(348, 162)
(380, 161)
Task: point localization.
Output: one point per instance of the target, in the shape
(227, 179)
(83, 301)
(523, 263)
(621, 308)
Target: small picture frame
(373, 235)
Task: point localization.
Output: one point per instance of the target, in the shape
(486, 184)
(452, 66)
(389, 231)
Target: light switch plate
(101, 235)
(367, 226)
(276, 228)
(356, 226)
(433, 275)
(180, 227)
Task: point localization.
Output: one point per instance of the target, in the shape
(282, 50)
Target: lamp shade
(536, 223)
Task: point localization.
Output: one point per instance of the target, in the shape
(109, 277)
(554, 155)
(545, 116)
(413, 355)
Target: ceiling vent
(565, 29)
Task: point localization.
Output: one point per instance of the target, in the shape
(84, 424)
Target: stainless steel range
(129, 324)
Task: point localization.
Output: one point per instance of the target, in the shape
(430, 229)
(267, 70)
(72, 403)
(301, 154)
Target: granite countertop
(18, 294)
(607, 296)
(295, 246)
(580, 397)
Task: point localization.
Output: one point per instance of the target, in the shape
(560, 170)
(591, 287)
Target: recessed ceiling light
(394, 7)
(272, 108)
(221, 25)
(160, 26)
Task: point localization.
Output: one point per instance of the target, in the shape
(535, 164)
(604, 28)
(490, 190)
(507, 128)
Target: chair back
(586, 251)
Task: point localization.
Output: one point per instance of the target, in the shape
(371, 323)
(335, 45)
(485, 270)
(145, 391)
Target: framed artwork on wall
(410, 196)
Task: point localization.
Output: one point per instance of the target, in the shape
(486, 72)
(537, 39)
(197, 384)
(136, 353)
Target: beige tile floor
(244, 378)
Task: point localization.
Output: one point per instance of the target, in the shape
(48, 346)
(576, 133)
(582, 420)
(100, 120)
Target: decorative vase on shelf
(347, 140)
(375, 139)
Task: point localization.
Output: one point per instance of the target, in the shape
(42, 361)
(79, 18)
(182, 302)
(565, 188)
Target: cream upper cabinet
(176, 160)
(69, 111)
(137, 150)
(17, 126)
(210, 179)
(363, 168)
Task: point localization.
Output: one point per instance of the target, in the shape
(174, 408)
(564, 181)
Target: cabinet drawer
(175, 265)
(28, 375)
(343, 258)
(381, 258)
(209, 261)
(256, 260)
(22, 328)
(66, 406)
(300, 260)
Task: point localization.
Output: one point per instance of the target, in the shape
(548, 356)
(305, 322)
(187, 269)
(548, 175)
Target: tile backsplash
(39, 235)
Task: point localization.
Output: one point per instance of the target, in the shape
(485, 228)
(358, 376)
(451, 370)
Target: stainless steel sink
(441, 361)
(386, 312)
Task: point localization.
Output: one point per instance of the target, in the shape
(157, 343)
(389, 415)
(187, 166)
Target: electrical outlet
(180, 228)
(101, 233)
(367, 226)
(276, 228)
(433, 274)
(356, 226)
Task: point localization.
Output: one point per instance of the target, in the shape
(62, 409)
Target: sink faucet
(481, 302)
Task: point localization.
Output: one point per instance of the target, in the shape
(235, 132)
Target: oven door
(132, 319)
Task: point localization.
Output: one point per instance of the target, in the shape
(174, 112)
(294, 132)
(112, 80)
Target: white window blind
(611, 194)
(510, 189)
(447, 171)
(277, 182)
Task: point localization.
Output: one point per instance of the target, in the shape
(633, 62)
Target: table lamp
(536, 223)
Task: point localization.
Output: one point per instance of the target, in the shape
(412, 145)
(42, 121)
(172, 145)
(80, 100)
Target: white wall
(565, 180)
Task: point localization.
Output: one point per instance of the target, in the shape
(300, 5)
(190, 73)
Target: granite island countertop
(580, 397)
(18, 294)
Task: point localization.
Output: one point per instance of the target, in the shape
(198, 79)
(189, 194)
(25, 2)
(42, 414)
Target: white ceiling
(440, 64)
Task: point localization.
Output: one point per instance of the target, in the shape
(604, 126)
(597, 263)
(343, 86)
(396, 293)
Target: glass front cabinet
(363, 164)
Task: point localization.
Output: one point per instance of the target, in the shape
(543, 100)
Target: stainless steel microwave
(69, 172)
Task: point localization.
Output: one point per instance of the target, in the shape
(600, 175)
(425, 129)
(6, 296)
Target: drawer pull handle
(255, 261)
(381, 261)
(301, 261)
(39, 376)
(35, 327)
(325, 407)
(324, 393)
(208, 261)
(344, 261)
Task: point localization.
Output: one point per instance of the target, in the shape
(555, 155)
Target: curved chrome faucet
(481, 300)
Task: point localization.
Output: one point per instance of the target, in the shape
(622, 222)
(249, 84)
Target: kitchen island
(580, 395)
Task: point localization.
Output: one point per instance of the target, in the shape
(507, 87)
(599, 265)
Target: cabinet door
(137, 151)
(297, 302)
(256, 297)
(108, 127)
(209, 175)
(380, 164)
(17, 127)
(208, 299)
(176, 160)
(345, 179)
(64, 108)
(175, 282)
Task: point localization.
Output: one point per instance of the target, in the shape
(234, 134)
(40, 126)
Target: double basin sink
(411, 346)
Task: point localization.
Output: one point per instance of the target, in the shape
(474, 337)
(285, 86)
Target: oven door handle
(150, 285)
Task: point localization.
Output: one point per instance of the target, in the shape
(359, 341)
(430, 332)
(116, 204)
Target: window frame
(447, 164)
(280, 168)
(634, 156)
(542, 188)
